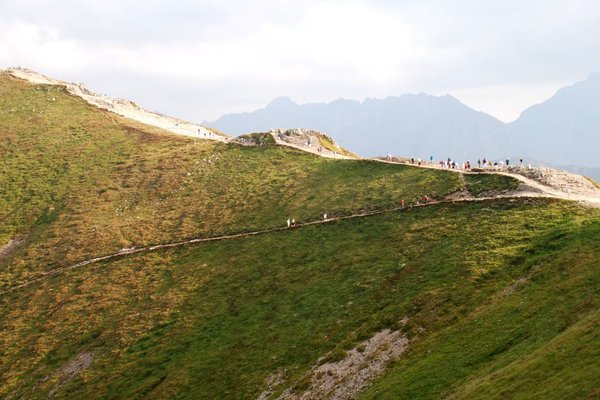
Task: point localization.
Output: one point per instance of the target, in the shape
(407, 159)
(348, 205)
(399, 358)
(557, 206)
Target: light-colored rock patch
(4, 250)
(346, 378)
(73, 368)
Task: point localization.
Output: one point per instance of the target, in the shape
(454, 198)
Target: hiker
(479, 162)
(425, 199)
(412, 160)
(507, 162)
(289, 222)
(293, 222)
(389, 157)
(402, 203)
(417, 201)
(431, 159)
(419, 162)
(521, 161)
(325, 217)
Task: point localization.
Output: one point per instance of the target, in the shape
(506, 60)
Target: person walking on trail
(479, 162)
(289, 222)
(325, 217)
(402, 203)
(521, 161)
(507, 162)
(431, 159)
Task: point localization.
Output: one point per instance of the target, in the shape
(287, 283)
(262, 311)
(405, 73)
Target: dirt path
(529, 188)
(122, 107)
(449, 200)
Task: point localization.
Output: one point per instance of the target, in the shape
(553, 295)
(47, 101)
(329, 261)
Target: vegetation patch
(482, 184)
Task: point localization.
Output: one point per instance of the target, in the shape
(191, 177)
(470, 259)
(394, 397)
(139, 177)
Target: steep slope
(564, 129)
(79, 182)
(418, 125)
(125, 108)
(220, 319)
(442, 299)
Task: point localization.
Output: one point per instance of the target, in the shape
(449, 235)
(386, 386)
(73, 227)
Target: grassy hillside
(499, 297)
(216, 320)
(77, 182)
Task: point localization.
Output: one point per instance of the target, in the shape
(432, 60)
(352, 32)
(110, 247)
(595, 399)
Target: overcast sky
(200, 59)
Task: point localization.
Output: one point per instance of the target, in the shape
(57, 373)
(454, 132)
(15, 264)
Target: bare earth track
(122, 253)
(556, 184)
(122, 107)
(549, 183)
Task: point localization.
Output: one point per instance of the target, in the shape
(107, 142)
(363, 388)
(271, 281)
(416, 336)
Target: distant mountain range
(564, 130)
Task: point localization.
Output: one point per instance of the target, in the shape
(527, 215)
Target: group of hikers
(482, 163)
(291, 223)
(204, 133)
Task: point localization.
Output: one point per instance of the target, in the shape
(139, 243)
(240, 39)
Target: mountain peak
(281, 101)
(594, 76)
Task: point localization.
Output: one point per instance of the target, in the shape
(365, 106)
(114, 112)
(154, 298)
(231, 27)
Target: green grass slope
(217, 319)
(501, 296)
(77, 182)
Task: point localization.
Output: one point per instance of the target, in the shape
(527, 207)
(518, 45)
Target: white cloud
(237, 55)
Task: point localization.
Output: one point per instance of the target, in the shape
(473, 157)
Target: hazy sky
(203, 58)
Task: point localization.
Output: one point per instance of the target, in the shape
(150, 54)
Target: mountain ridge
(145, 264)
(560, 130)
(348, 120)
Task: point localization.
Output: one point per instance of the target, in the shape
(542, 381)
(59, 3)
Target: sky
(201, 59)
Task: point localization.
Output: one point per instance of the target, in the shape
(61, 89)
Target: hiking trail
(450, 199)
(535, 182)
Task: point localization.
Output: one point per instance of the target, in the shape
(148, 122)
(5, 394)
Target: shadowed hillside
(448, 297)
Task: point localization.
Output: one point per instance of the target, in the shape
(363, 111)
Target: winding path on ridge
(529, 187)
(448, 200)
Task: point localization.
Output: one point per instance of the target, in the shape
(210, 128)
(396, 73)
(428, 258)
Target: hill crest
(125, 108)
